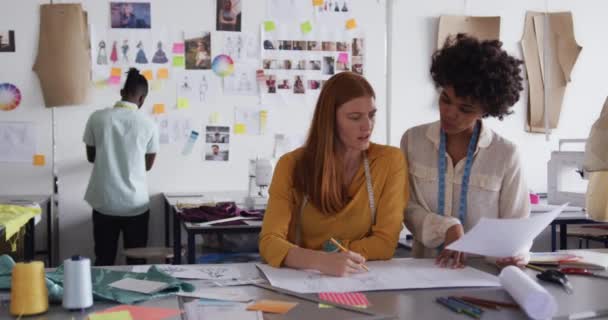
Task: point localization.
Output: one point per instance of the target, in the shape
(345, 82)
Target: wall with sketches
(173, 171)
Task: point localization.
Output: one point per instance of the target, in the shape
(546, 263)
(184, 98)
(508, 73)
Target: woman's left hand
(518, 261)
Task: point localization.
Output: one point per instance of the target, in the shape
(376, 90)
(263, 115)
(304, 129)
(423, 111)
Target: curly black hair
(479, 70)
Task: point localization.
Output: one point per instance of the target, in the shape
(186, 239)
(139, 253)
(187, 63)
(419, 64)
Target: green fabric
(14, 217)
(101, 279)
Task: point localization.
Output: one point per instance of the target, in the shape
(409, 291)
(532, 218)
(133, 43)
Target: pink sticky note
(145, 313)
(348, 298)
(178, 47)
(343, 57)
(114, 80)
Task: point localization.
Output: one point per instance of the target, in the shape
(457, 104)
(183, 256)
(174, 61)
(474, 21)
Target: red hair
(318, 171)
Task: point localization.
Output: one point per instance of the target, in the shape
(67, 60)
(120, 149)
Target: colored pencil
(345, 250)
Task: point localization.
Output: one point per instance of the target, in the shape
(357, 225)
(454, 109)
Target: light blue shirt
(122, 137)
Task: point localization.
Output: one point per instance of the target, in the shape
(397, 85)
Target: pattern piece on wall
(17, 142)
(63, 63)
(549, 63)
(10, 97)
(482, 28)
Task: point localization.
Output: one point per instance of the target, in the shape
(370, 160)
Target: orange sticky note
(38, 160)
(159, 108)
(272, 306)
(351, 24)
(162, 73)
(143, 312)
(147, 74)
(116, 72)
(317, 2)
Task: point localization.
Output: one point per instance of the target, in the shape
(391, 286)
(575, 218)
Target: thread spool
(77, 291)
(29, 295)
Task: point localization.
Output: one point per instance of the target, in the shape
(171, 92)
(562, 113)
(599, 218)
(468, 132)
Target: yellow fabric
(352, 224)
(14, 217)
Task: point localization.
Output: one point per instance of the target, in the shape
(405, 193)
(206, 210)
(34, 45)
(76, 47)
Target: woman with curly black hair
(460, 170)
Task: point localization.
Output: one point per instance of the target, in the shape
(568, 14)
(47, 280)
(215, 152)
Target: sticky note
(183, 103)
(162, 73)
(119, 315)
(317, 2)
(269, 26)
(178, 47)
(179, 61)
(306, 27)
(240, 128)
(158, 108)
(351, 24)
(116, 72)
(272, 306)
(214, 117)
(147, 74)
(155, 85)
(263, 121)
(100, 84)
(38, 160)
(343, 57)
(143, 312)
(114, 80)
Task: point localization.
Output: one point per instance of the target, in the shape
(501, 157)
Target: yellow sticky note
(100, 84)
(240, 128)
(351, 24)
(263, 120)
(214, 117)
(162, 73)
(147, 74)
(269, 26)
(116, 72)
(306, 27)
(158, 108)
(317, 2)
(183, 103)
(272, 306)
(179, 61)
(38, 160)
(118, 315)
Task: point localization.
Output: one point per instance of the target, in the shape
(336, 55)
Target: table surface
(589, 295)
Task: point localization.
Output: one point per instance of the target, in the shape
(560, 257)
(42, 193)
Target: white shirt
(496, 185)
(122, 137)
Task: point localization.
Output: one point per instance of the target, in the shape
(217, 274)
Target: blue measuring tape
(442, 167)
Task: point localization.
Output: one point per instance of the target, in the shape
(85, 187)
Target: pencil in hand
(345, 250)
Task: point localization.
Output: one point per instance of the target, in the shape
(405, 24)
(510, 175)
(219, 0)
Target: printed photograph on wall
(328, 65)
(198, 52)
(7, 41)
(130, 15)
(313, 46)
(357, 65)
(271, 83)
(298, 85)
(357, 47)
(270, 45)
(217, 140)
(228, 15)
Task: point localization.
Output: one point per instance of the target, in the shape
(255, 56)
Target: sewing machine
(566, 179)
(260, 176)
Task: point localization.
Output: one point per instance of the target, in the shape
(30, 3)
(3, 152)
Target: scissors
(583, 272)
(557, 277)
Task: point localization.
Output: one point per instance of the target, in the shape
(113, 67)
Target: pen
(466, 305)
(344, 250)
(454, 307)
(485, 301)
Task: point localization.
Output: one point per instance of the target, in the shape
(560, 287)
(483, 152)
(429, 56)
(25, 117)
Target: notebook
(571, 259)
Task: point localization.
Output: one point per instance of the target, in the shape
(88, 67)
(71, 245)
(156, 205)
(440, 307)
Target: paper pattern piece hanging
(197, 87)
(596, 150)
(383, 275)
(549, 62)
(63, 62)
(17, 142)
(482, 28)
(242, 82)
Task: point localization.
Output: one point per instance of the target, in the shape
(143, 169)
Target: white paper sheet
(242, 82)
(199, 87)
(17, 142)
(137, 285)
(194, 310)
(223, 294)
(249, 120)
(202, 272)
(383, 275)
(173, 128)
(241, 46)
(504, 237)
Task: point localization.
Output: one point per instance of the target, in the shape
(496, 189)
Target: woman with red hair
(338, 185)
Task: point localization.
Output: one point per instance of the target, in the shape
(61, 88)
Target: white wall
(172, 172)
(414, 98)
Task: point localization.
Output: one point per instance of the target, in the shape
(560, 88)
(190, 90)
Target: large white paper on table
(393, 274)
(504, 237)
(17, 142)
(200, 271)
(223, 294)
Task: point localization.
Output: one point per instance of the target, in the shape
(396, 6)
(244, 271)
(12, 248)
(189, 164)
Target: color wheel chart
(223, 65)
(10, 97)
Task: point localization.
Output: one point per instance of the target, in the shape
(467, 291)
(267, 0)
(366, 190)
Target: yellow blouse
(352, 226)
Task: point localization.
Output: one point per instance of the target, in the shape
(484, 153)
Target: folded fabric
(221, 210)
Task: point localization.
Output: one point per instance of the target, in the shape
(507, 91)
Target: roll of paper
(537, 302)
